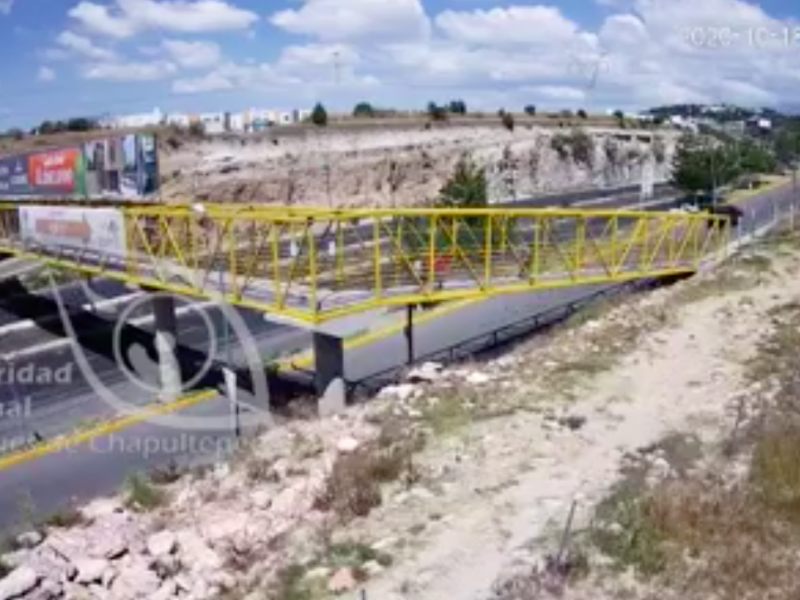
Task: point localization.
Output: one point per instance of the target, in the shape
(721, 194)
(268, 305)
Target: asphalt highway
(100, 468)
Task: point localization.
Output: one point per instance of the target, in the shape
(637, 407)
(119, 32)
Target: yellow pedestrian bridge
(315, 265)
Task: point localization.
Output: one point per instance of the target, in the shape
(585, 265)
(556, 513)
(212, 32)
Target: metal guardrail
(498, 338)
(315, 265)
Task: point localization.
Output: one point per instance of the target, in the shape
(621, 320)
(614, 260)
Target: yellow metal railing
(316, 265)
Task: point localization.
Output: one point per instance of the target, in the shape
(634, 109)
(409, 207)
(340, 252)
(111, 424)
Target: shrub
(577, 144)
(611, 149)
(351, 489)
(530, 110)
(582, 114)
(560, 143)
(507, 120)
(582, 147)
(68, 517)
(197, 129)
(141, 495)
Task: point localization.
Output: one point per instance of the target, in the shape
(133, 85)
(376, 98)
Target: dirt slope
(453, 484)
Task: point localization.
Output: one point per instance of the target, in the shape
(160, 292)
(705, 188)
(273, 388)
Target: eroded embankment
(457, 484)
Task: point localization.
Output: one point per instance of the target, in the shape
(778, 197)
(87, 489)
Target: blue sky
(63, 58)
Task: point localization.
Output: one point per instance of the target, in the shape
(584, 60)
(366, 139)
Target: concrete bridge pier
(329, 377)
(166, 342)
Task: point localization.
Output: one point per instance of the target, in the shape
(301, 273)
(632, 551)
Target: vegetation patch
(353, 487)
(141, 494)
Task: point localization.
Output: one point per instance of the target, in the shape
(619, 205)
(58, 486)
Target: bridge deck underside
(319, 265)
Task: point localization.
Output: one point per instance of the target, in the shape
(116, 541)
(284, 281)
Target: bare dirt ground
(666, 420)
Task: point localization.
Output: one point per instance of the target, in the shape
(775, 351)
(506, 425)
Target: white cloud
(341, 20)
(230, 76)
(98, 19)
(130, 17)
(556, 92)
(83, 46)
(6, 6)
(388, 52)
(46, 74)
(318, 55)
(193, 55)
(130, 71)
(524, 25)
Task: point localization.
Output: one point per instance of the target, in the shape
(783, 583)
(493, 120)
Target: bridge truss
(315, 265)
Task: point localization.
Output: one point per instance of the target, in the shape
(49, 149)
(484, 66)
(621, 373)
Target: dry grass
(353, 487)
(742, 272)
(721, 535)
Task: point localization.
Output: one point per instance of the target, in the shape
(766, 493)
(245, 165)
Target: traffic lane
(365, 234)
(99, 468)
(58, 406)
(73, 295)
(456, 327)
(758, 206)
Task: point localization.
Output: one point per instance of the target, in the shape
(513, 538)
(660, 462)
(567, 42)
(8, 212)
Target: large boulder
(18, 583)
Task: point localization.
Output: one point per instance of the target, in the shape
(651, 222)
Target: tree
(319, 116)
(81, 124)
(363, 109)
(694, 165)
(787, 145)
(619, 115)
(458, 107)
(46, 128)
(436, 113)
(702, 164)
(466, 188)
(582, 114)
(530, 110)
(15, 134)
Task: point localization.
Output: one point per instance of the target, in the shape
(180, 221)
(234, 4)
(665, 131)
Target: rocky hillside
(405, 167)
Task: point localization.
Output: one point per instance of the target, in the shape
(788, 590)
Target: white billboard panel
(101, 230)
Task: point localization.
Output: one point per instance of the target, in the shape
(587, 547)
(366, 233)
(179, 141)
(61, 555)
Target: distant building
(213, 123)
(149, 119)
(736, 128)
(247, 121)
(758, 125)
(179, 120)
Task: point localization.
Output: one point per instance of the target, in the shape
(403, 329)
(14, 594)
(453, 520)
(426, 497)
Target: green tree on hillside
(466, 188)
(319, 116)
(363, 109)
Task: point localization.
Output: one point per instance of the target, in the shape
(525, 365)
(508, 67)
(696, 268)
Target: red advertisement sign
(55, 171)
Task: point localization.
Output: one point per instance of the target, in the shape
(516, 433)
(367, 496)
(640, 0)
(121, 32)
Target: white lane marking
(66, 342)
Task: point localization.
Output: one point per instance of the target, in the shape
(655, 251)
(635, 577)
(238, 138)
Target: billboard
(121, 167)
(58, 172)
(100, 230)
(13, 176)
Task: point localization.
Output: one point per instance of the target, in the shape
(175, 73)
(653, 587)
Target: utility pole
(336, 68)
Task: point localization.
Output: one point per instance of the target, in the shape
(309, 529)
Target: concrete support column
(166, 345)
(329, 359)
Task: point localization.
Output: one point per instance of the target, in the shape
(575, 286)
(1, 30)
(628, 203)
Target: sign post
(231, 393)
